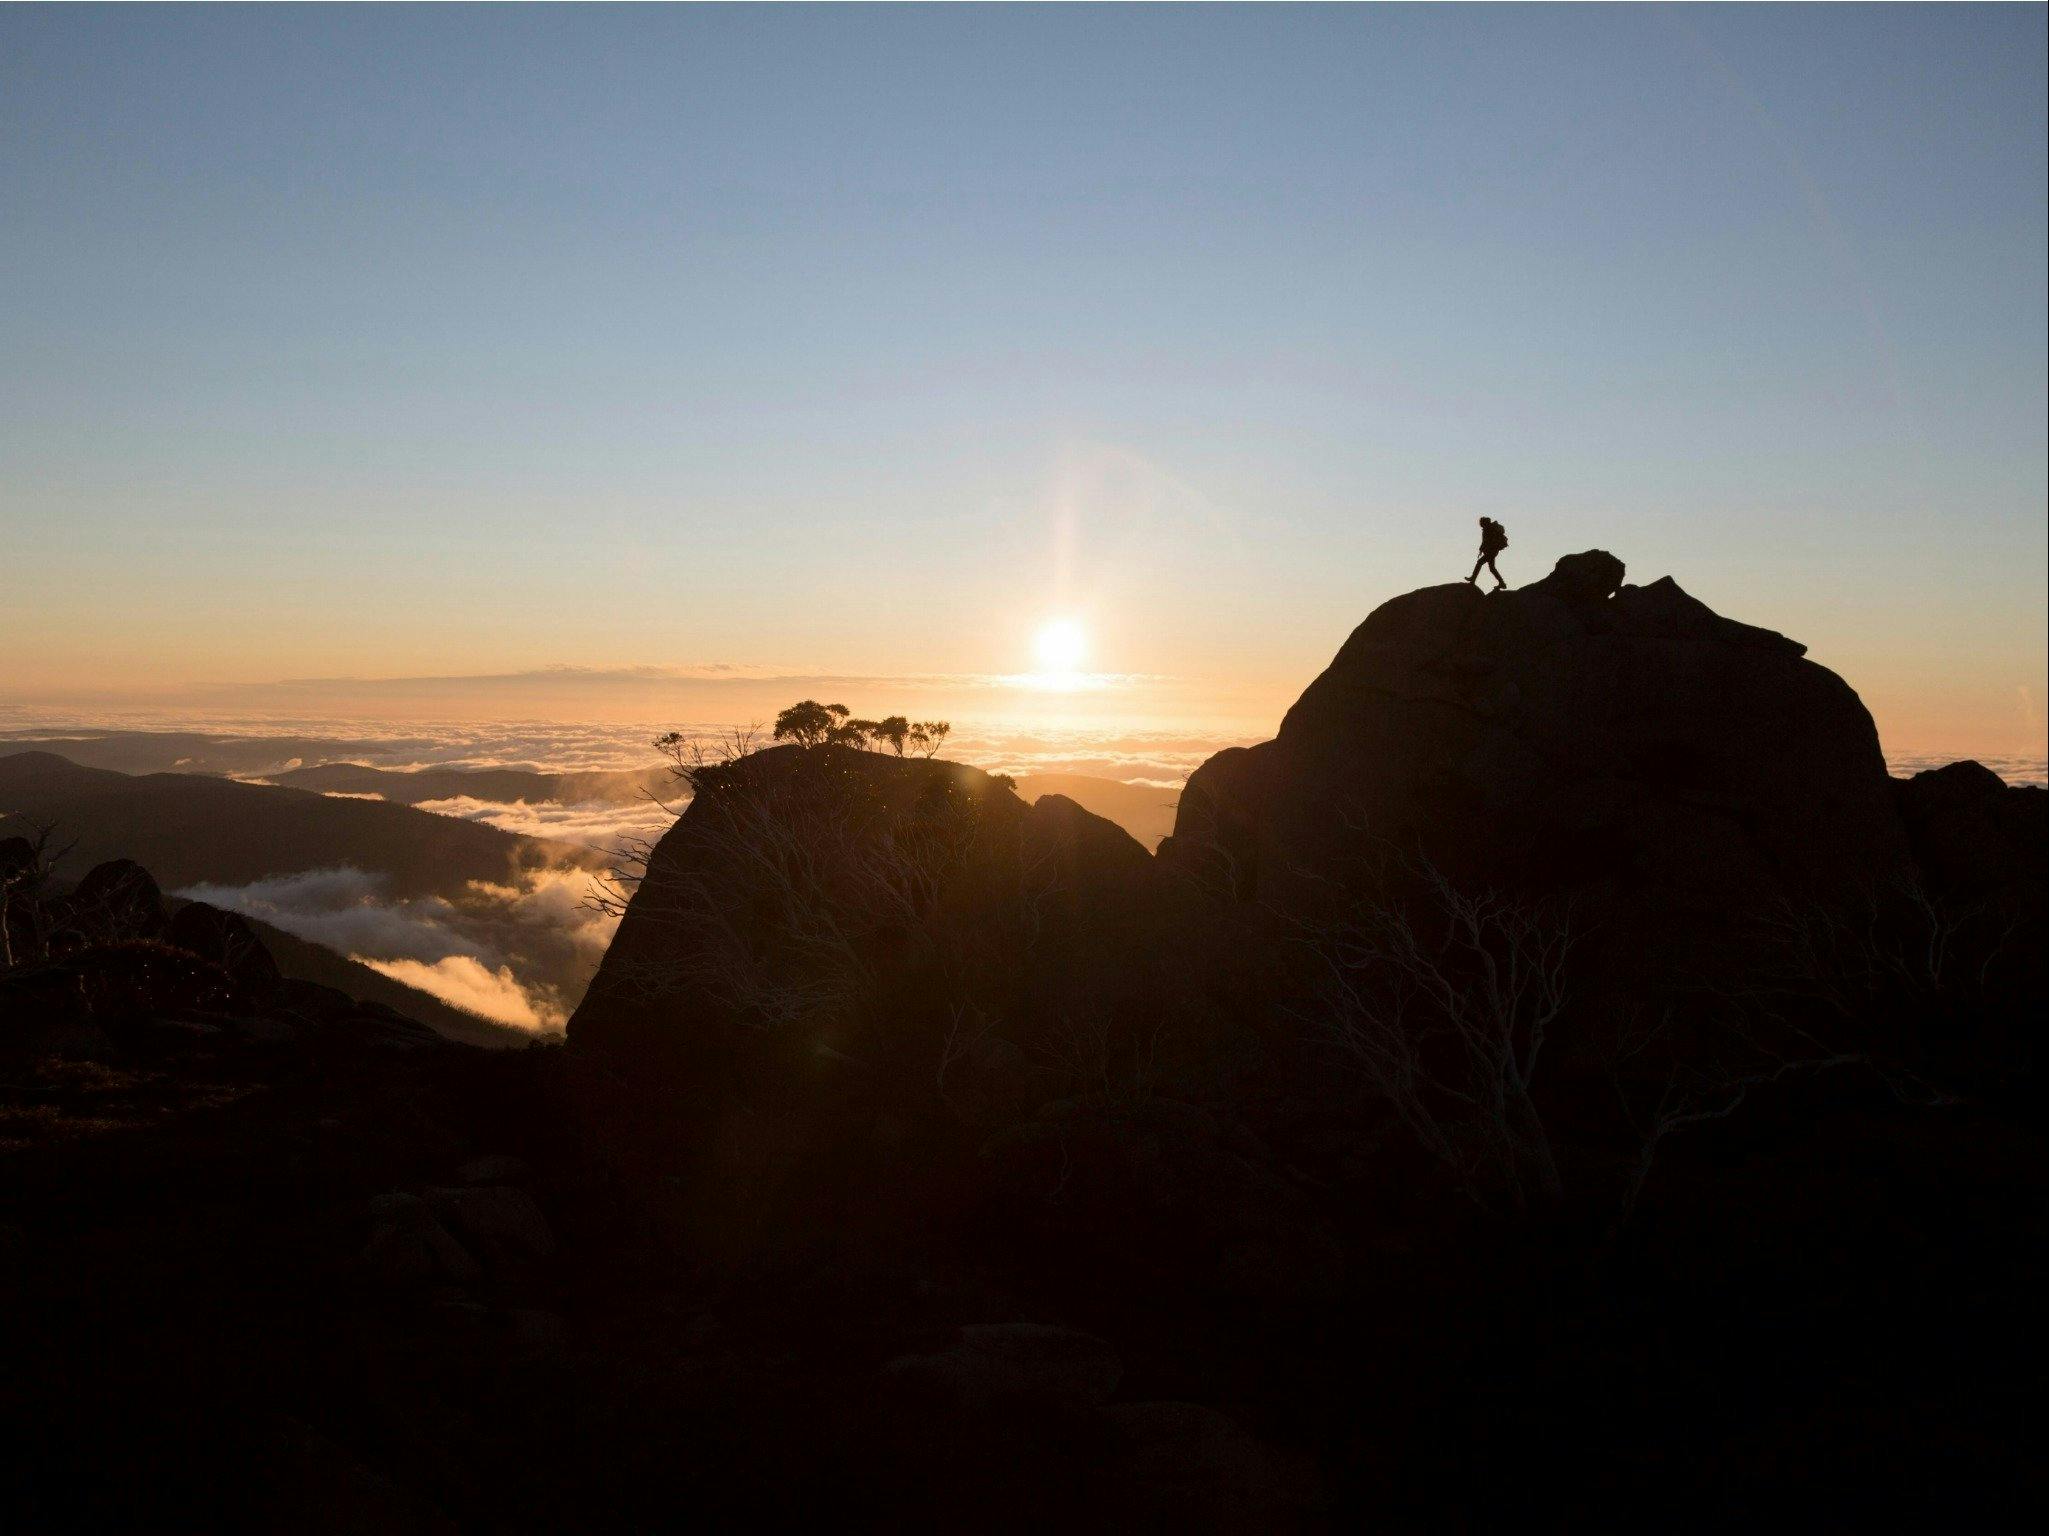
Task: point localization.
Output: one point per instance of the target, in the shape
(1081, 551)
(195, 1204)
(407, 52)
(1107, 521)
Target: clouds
(596, 824)
(466, 983)
(520, 952)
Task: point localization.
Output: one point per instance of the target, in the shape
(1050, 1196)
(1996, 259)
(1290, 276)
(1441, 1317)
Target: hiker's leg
(1495, 572)
(1476, 568)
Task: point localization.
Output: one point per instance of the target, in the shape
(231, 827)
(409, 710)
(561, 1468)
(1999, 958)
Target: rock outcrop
(1624, 743)
(1975, 836)
(857, 892)
(836, 952)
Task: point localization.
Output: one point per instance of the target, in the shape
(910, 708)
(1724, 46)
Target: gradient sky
(858, 341)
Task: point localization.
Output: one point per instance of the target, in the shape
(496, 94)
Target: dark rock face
(861, 891)
(1576, 735)
(830, 939)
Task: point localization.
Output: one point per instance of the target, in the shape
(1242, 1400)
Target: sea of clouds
(256, 746)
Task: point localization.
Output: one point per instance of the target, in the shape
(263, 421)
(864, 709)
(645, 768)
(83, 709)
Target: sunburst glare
(1060, 646)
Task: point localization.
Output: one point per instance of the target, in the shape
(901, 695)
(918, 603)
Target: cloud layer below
(520, 953)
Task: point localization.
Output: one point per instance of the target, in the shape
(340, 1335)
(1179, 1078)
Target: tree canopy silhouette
(811, 724)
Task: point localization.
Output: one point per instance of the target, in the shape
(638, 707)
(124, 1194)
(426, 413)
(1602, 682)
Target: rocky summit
(1577, 733)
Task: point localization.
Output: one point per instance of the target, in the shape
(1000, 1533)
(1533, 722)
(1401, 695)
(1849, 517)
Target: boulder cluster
(109, 953)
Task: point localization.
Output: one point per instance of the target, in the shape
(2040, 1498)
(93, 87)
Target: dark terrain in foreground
(1561, 1079)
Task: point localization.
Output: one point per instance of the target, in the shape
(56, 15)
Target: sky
(649, 360)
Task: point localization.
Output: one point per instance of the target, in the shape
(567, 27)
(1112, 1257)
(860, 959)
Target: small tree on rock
(929, 735)
(893, 729)
(809, 723)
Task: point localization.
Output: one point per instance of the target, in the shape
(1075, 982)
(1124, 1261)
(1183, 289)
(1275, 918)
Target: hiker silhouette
(1493, 540)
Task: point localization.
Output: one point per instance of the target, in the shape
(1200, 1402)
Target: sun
(1060, 646)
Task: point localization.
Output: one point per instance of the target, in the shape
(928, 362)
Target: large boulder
(116, 900)
(835, 950)
(840, 888)
(1678, 771)
(226, 939)
(1975, 836)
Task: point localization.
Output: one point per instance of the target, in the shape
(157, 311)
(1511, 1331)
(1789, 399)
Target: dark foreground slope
(190, 1140)
(1479, 1120)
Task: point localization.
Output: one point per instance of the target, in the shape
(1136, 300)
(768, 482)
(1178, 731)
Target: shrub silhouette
(811, 724)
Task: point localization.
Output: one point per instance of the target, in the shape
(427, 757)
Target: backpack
(1494, 537)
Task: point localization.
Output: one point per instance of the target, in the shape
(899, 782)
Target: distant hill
(197, 751)
(189, 828)
(1146, 811)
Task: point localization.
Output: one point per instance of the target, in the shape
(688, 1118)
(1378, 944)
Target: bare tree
(1813, 1000)
(1888, 943)
(26, 920)
(1443, 1000)
(1710, 1082)
(1101, 1065)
